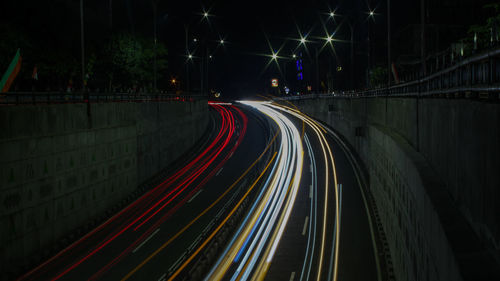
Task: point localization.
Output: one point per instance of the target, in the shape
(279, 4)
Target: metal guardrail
(478, 75)
(19, 98)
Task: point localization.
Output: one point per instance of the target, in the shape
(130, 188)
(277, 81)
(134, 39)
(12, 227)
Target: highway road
(172, 217)
(310, 222)
(271, 195)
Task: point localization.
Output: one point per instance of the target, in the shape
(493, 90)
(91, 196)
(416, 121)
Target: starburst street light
(372, 13)
(332, 14)
(329, 39)
(205, 14)
(274, 56)
(222, 41)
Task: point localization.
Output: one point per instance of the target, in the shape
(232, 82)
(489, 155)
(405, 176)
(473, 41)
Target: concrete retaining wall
(61, 167)
(433, 171)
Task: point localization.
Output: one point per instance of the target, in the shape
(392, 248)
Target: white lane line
(144, 242)
(162, 277)
(311, 191)
(176, 263)
(311, 167)
(305, 226)
(292, 276)
(219, 171)
(194, 196)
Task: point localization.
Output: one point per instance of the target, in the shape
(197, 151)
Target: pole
(422, 37)
(186, 29)
(154, 47)
(369, 53)
(82, 45)
(352, 56)
(207, 73)
(110, 14)
(389, 58)
(317, 71)
(202, 74)
(112, 44)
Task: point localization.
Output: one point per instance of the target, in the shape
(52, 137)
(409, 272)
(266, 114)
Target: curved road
(271, 195)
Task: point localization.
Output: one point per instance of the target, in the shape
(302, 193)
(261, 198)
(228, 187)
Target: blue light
(300, 77)
(299, 64)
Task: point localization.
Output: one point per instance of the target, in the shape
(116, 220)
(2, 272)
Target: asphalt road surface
(271, 195)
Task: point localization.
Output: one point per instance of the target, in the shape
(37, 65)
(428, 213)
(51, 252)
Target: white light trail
(252, 248)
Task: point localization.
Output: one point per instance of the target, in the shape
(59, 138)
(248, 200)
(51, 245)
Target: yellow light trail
(319, 130)
(140, 265)
(179, 270)
(268, 219)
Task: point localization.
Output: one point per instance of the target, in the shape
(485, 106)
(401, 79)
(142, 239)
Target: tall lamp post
(389, 59)
(186, 30)
(155, 3)
(353, 24)
(82, 38)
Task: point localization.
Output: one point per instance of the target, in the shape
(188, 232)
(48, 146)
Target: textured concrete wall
(61, 167)
(433, 171)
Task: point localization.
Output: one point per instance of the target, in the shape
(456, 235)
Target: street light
(205, 15)
(82, 39)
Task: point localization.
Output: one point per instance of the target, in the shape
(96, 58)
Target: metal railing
(477, 76)
(20, 98)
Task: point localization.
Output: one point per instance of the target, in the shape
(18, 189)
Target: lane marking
(144, 242)
(162, 277)
(292, 276)
(355, 166)
(187, 226)
(305, 226)
(313, 214)
(209, 238)
(194, 196)
(177, 262)
(219, 171)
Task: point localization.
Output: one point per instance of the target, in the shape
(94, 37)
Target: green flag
(11, 72)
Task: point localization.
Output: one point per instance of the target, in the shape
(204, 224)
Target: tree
(485, 32)
(132, 59)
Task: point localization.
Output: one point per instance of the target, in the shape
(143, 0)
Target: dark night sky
(247, 24)
(237, 67)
